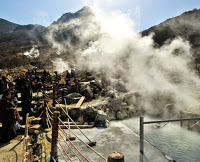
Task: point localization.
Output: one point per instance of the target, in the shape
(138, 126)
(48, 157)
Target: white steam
(162, 75)
(60, 65)
(33, 53)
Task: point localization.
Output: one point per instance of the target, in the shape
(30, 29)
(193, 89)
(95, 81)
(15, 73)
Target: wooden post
(44, 116)
(141, 138)
(115, 157)
(26, 125)
(25, 141)
(54, 95)
(55, 124)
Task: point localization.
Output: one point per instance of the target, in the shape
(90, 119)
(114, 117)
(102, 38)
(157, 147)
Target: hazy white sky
(145, 13)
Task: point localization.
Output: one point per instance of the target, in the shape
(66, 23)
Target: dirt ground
(11, 156)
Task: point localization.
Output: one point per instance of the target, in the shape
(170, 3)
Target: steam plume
(33, 53)
(108, 42)
(60, 65)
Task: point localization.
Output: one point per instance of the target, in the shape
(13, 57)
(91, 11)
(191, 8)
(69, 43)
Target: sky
(145, 13)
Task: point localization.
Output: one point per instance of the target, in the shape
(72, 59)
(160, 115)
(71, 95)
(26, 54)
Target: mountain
(85, 12)
(71, 29)
(20, 38)
(16, 39)
(67, 34)
(7, 26)
(186, 26)
(30, 27)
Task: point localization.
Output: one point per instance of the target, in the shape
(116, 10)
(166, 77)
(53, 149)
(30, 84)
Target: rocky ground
(14, 155)
(100, 99)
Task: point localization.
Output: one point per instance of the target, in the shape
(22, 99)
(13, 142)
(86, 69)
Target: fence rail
(48, 121)
(172, 120)
(142, 122)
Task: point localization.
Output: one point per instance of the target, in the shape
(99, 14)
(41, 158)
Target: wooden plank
(71, 123)
(78, 105)
(63, 106)
(71, 106)
(75, 127)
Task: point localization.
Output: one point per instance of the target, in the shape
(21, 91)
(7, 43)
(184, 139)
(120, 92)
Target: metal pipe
(151, 122)
(181, 116)
(173, 120)
(141, 138)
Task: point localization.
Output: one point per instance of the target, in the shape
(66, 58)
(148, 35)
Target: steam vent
(89, 87)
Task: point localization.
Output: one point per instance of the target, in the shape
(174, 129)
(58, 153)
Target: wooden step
(80, 126)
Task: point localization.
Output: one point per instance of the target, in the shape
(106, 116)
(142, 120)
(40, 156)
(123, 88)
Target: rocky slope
(6, 26)
(67, 31)
(185, 26)
(16, 39)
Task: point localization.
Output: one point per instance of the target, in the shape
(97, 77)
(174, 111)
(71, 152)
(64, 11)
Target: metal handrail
(142, 122)
(172, 120)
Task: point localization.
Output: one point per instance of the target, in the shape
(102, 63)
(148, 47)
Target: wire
(48, 113)
(83, 141)
(73, 144)
(62, 153)
(69, 147)
(64, 150)
(73, 122)
(40, 114)
(78, 128)
(59, 133)
(47, 119)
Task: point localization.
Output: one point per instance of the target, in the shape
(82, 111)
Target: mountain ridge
(7, 26)
(15, 38)
(21, 38)
(84, 12)
(184, 25)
